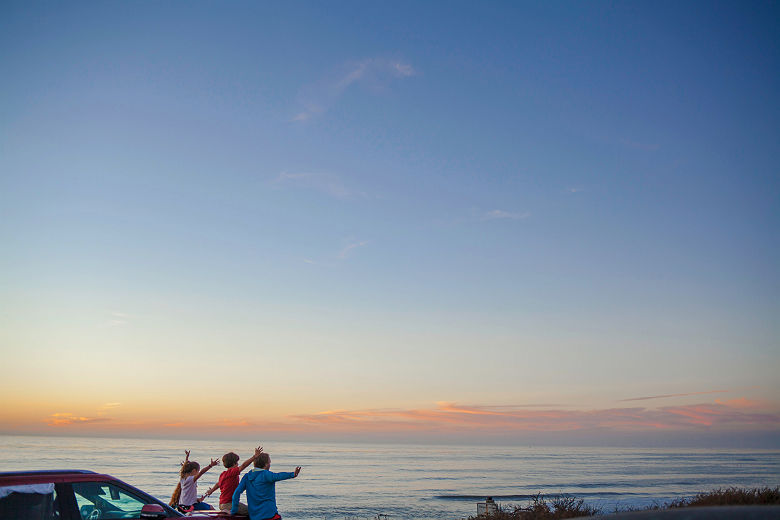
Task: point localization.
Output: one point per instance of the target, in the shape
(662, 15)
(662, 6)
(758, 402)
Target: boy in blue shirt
(261, 490)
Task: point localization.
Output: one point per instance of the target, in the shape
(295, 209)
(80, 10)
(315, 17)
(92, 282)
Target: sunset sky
(512, 222)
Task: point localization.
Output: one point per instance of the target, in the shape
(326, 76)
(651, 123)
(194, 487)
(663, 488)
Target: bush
(731, 497)
(563, 506)
(566, 506)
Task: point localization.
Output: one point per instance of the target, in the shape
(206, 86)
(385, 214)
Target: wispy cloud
(116, 319)
(335, 257)
(471, 420)
(481, 215)
(67, 419)
(351, 245)
(327, 183)
(402, 70)
(107, 407)
(666, 396)
(741, 402)
(487, 418)
(376, 73)
(499, 214)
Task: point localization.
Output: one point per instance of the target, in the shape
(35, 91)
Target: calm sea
(403, 481)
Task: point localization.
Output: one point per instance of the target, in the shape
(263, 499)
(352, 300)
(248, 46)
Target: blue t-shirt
(260, 493)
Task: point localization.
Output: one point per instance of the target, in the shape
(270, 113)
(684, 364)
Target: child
(190, 473)
(261, 490)
(174, 501)
(228, 480)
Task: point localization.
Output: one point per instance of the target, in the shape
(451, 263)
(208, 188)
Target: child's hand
(214, 462)
(297, 470)
(258, 450)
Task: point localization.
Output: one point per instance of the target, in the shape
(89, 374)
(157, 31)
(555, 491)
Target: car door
(102, 500)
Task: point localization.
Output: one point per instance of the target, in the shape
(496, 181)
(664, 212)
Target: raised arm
(251, 459)
(283, 475)
(205, 469)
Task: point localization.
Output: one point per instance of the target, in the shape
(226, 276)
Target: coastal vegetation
(567, 506)
(732, 497)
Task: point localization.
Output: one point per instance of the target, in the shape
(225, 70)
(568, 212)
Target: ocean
(361, 481)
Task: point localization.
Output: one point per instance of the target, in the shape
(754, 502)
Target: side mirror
(153, 512)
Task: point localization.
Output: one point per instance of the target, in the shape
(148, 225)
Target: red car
(81, 495)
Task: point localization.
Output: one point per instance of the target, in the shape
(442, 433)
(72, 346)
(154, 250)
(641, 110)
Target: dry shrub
(566, 506)
(540, 508)
(732, 497)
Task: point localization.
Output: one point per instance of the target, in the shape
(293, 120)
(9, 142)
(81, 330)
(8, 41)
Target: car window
(33, 502)
(101, 500)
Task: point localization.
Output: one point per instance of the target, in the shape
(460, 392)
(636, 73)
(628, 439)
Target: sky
(484, 222)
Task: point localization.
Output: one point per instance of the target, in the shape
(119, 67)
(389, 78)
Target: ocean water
(341, 481)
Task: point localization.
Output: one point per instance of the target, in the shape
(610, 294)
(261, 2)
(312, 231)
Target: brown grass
(732, 497)
(540, 508)
(565, 506)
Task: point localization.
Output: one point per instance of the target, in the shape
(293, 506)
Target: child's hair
(187, 467)
(229, 459)
(262, 460)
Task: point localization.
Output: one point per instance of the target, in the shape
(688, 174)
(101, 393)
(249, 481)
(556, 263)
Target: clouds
(108, 407)
(116, 319)
(666, 396)
(472, 421)
(68, 419)
(332, 186)
(477, 215)
(487, 419)
(60, 419)
(375, 73)
(350, 245)
(328, 184)
(499, 214)
(353, 244)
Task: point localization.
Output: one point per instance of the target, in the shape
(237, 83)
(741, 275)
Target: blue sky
(408, 194)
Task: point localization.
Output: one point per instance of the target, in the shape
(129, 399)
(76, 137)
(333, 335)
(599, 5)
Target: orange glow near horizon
(731, 415)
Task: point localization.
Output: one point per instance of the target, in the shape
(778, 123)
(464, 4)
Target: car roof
(44, 472)
(40, 476)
